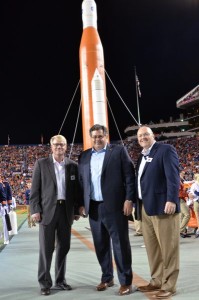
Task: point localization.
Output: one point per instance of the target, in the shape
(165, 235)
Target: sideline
(137, 280)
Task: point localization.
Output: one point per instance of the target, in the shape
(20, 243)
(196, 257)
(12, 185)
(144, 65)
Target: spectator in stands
(137, 224)
(2, 212)
(194, 196)
(27, 196)
(158, 188)
(54, 195)
(184, 209)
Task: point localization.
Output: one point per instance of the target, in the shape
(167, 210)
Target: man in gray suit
(54, 196)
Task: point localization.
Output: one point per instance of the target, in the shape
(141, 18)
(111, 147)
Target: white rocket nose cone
(89, 13)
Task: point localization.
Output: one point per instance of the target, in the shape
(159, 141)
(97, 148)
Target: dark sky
(39, 64)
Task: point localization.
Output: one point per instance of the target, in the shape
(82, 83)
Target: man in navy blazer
(107, 178)
(158, 184)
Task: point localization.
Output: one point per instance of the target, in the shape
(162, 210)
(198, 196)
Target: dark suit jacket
(43, 196)
(117, 177)
(8, 191)
(160, 180)
(2, 194)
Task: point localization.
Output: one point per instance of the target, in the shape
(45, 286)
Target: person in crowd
(194, 196)
(107, 178)
(184, 208)
(53, 199)
(158, 203)
(2, 213)
(27, 196)
(8, 191)
(6, 205)
(137, 224)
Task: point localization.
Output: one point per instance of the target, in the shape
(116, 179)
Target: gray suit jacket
(43, 196)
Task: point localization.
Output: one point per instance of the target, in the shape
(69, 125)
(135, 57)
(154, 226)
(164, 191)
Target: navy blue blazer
(160, 180)
(117, 177)
(2, 194)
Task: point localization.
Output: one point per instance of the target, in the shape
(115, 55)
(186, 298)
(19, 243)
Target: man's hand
(82, 211)
(128, 207)
(36, 217)
(170, 208)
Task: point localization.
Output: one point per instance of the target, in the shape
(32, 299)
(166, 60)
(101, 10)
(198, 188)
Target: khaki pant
(184, 216)
(162, 240)
(30, 221)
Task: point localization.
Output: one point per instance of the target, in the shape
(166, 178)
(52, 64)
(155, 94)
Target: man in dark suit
(3, 203)
(107, 178)
(54, 194)
(6, 204)
(158, 184)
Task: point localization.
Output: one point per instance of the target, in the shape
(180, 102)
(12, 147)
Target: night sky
(39, 64)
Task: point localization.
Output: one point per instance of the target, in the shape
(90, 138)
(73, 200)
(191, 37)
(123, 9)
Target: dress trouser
(184, 215)
(161, 238)
(61, 230)
(110, 227)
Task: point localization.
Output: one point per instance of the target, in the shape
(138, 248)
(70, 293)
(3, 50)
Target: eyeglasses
(59, 144)
(100, 137)
(143, 134)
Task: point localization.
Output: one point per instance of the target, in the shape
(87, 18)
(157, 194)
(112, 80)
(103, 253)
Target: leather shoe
(125, 290)
(148, 288)
(64, 286)
(104, 285)
(45, 291)
(162, 294)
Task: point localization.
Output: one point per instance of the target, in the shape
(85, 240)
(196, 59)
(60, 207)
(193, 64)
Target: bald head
(145, 137)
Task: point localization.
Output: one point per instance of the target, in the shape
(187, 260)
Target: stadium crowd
(17, 161)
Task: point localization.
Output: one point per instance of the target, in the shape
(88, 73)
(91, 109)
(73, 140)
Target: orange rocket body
(91, 57)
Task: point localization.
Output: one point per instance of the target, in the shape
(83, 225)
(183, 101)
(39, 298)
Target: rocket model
(92, 76)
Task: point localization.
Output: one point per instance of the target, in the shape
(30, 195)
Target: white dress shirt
(60, 177)
(145, 153)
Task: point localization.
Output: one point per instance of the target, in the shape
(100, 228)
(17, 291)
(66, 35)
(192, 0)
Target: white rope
(121, 98)
(69, 107)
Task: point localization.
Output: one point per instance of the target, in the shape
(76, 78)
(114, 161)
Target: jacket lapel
(87, 160)
(151, 155)
(51, 169)
(108, 153)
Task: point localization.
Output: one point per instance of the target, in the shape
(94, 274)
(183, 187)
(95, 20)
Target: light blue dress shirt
(97, 159)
